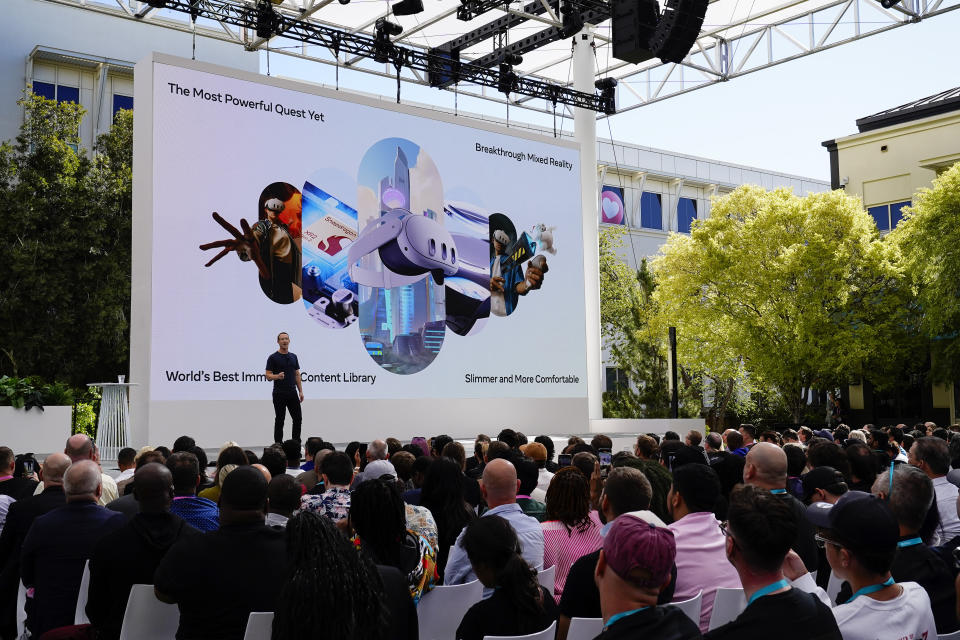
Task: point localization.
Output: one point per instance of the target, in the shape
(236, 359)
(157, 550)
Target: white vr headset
(409, 246)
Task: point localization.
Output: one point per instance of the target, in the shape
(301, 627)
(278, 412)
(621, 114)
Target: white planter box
(39, 432)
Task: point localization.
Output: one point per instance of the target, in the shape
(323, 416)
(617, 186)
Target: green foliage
(27, 393)
(86, 410)
(928, 239)
(65, 284)
(787, 293)
(625, 307)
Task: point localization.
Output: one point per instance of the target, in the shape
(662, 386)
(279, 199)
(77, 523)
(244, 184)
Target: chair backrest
(727, 605)
(546, 634)
(691, 607)
(259, 626)
(442, 608)
(80, 614)
(146, 618)
(21, 608)
(833, 588)
(584, 628)
(547, 578)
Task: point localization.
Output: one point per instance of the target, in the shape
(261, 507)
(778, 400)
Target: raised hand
(246, 241)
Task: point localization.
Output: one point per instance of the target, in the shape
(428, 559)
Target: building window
(616, 379)
(58, 92)
(121, 102)
(887, 216)
(651, 211)
(45, 89)
(686, 214)
(611, 205)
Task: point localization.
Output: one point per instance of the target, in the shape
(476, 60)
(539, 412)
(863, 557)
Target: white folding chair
(546, 634)
(584, 628)
(146, 618)
(441, 609)
(21, 608)
(691, 607)
(547, 578)
(833, 588)
(259, 626)
(80, 614)
(727, 605)
(949, 636)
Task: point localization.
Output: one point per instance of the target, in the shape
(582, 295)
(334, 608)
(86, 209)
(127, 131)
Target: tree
(625, 307)
(785, 293)
(928, 239)
(65, 281)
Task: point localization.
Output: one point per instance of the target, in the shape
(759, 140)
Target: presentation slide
(405, 255)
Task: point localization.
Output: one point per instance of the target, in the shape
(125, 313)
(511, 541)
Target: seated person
(633, 567)
(760, 528)
(571, 528)
(519, 605)
(860, 536)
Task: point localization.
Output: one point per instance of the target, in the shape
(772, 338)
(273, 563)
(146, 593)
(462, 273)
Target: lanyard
(909, 543)
(5, 478)
(871, 589)
(767, 590)
(622, 614)
(778, 492)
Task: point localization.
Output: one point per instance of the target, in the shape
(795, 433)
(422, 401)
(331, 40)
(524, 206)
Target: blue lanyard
(778, 492)
(622, 614)
(767, 590)
(871, 589)
(909, 543)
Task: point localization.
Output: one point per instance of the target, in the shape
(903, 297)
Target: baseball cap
(379, 468)
(633, 543)
(826, 478)
(823, 433)
(859, 520)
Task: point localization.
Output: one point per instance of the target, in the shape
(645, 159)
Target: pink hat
(633, 543)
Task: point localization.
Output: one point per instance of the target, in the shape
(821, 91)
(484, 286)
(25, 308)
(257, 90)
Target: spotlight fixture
(266, 19)
(344, 1)
(508, 81)
(382, 47)
(157, 4)
(608, 94)
(512, 59)
(889, 4)
(571, 19)
(407, 7)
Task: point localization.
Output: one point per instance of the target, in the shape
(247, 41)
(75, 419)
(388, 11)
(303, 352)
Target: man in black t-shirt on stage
(283, 369)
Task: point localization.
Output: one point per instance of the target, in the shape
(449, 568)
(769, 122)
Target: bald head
(81, 482)
(500, 482)
(55, 465)
(262, 469)
(766, 466)
(79, 447)
(153, 487)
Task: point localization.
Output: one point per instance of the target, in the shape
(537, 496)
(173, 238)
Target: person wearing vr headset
(507, 281)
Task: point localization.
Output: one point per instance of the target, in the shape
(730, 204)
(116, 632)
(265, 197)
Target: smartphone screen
(564, 459)
(605, 457)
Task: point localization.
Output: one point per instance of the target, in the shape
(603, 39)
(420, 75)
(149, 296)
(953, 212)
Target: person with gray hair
(909, 496)
(58, 545)
(932, 456)
(80, 446)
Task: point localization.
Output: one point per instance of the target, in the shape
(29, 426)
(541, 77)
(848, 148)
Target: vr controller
(409, 246)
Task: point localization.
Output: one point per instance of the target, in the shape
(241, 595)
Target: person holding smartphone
(283, 369)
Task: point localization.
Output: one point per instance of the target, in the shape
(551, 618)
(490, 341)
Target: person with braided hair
(519, 605)
(332, 590)
(571, 529)
(379, 519)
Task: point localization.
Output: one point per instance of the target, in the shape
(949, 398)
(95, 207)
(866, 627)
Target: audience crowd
(843, 533)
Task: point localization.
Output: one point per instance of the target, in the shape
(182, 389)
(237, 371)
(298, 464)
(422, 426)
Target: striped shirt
(563, 546)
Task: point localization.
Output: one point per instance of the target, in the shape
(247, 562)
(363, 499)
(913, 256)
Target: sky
(774, 119)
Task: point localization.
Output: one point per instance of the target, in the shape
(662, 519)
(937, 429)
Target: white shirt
(907, 616)
(949, 526)
(498, 304)
(124, 475)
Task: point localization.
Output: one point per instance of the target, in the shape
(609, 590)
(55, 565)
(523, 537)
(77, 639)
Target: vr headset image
(409, 246)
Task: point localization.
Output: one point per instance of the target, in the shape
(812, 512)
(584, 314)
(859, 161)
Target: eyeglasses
(823, 542)
(725, 529)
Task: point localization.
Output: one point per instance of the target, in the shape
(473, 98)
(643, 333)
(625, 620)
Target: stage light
(508, 81)
(344, 1)
(266, 19)
(889, 4)
(512, 59)
(571, 18)
(608, 93)
(407, 7)
(382, 47)
(157, 4)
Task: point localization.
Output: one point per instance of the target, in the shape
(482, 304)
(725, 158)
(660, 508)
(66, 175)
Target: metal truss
(743, 47)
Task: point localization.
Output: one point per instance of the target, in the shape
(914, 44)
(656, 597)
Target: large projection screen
(373, 234)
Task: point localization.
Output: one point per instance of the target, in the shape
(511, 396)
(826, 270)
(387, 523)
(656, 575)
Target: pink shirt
(701, 561)
(562, 547)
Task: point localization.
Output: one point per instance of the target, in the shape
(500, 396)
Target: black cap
(826, 478)
(860, 521)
